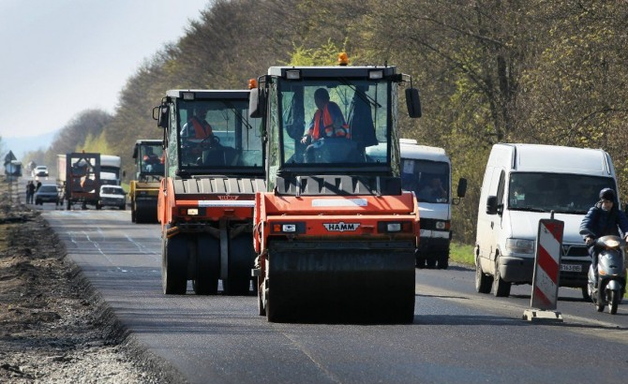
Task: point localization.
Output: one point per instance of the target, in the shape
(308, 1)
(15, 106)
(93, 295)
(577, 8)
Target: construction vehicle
(144, 189)
(205, 203)
(334, 233)
(78, 175)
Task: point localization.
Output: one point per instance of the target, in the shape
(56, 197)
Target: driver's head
(321, 97)
(201, 111)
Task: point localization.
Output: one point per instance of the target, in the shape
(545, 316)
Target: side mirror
(491, 205)
(256, 103)
(413, 102)
(160, 114)
(462, 187)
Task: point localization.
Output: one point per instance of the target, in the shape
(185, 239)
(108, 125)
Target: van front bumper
(519, 270)
(516, 270)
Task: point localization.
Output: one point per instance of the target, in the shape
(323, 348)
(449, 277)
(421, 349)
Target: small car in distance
(47, 193)
(40, 170)
(112, 196)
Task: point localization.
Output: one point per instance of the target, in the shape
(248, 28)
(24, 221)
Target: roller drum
(366, 282)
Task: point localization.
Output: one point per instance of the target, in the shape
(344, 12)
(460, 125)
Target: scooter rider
(603, 219)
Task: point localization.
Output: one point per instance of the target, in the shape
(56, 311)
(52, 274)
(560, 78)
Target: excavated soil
(54, 328)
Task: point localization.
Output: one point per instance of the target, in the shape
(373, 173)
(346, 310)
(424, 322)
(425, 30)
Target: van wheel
(482, 280)
(501, 288)
(443, 260)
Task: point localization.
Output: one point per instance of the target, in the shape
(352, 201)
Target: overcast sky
(60, 57)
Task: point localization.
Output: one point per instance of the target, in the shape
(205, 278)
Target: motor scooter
(611, 267)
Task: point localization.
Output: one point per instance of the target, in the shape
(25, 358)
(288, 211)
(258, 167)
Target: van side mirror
(161, 114)
(462, 187)
(491, 205)
(413, 102)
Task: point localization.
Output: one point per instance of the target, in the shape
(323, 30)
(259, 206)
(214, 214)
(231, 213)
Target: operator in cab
(197, 127)
(196, 134)
(328, 122)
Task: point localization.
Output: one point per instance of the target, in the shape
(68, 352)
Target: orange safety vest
(328, 125)
(202, 130)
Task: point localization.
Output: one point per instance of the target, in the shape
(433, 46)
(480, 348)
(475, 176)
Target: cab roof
(208, 94)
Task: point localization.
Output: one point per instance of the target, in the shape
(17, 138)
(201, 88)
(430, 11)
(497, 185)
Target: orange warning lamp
(343, 59)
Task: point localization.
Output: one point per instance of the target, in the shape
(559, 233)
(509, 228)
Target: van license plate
(571, 267)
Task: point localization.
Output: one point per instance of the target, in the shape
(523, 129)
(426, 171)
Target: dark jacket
(598, 223)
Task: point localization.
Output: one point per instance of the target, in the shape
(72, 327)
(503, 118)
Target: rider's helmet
(607, 194)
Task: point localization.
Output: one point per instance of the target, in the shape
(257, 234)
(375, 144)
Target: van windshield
(562, 193)
(429, 180)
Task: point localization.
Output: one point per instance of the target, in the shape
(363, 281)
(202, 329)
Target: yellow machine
(144, 190)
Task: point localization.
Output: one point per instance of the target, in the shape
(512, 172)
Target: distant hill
(21, 145)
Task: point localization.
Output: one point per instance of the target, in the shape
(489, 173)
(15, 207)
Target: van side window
(500, 188)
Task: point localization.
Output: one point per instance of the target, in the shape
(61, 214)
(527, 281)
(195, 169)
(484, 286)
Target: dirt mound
(53, 327)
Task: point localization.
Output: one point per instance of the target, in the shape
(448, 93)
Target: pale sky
(60, 57)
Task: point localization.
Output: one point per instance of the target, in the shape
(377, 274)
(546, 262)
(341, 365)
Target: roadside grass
(461, 253)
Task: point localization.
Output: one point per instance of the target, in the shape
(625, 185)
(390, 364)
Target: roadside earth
(54, 328)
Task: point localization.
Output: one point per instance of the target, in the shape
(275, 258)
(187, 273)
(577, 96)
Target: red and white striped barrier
(546, 268)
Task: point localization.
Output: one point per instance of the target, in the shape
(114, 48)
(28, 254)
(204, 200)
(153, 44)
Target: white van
(522, 184)
(421, 166)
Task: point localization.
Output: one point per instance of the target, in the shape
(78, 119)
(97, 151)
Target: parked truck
(80, 176)
(426, 171)
(213, 168)
(334, 233)
(144, 189)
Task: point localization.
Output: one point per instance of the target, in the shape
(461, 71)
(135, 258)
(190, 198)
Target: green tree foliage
(489, 71)
(96, 144)
(72, 137)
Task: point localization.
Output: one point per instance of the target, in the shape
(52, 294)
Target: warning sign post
(546, 271)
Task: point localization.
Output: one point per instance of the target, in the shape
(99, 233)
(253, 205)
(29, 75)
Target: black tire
(585, 293)
(98, 206)
(139, 217)
(431, 262)
(133, 213)
(261, 309)
(482, 281)
(207, 265)
(174, 257)
(123, 207)
(241, 260)
(613, 301)
(420, 260)
(501, 288)
(271, 313)
(443, 260)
